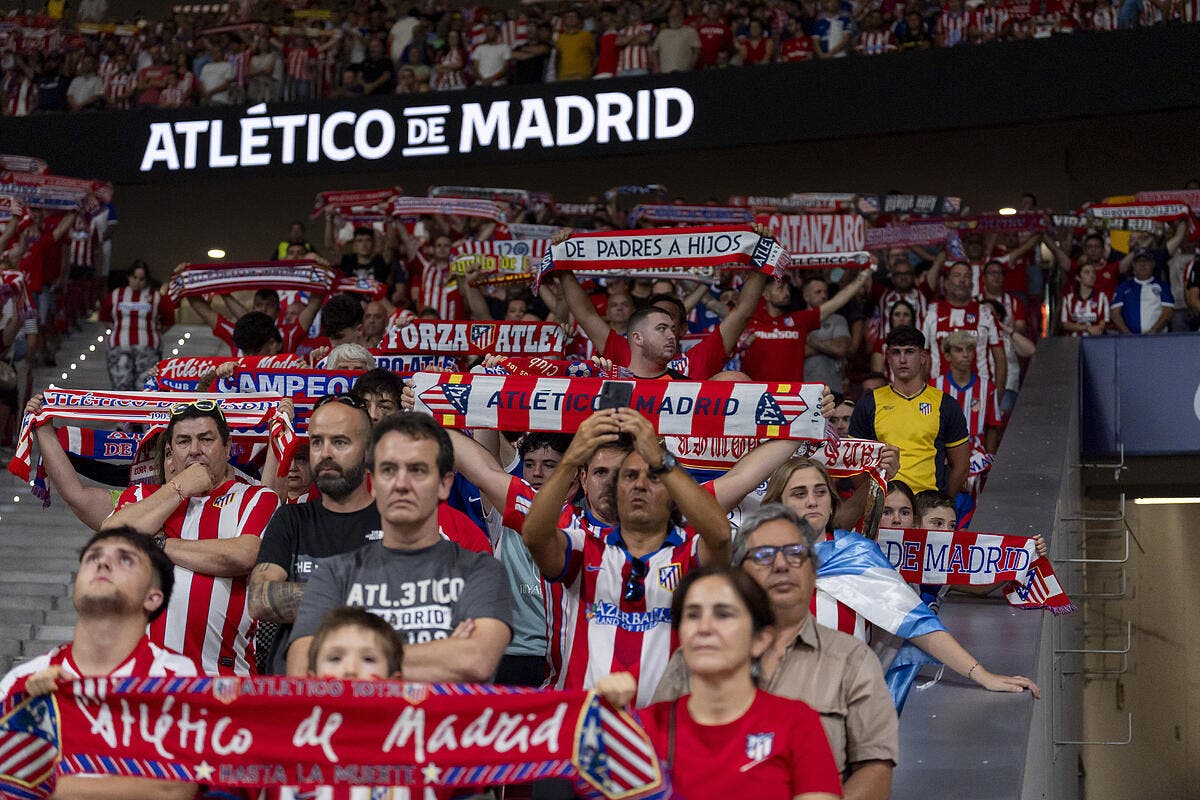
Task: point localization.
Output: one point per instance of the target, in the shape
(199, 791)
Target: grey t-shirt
(820, 368)
(423, 594)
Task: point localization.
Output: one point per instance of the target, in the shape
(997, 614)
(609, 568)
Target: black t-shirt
(376, 268)
(530, 70)
(299, 534)
(374, 68)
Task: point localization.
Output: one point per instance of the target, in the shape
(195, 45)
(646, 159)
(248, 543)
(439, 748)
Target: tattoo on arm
(273, 601)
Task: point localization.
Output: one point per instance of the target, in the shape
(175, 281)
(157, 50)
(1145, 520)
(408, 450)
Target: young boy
(934, 511)
(353, 644)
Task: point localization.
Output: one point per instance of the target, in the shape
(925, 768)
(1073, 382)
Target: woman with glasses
(728, 737)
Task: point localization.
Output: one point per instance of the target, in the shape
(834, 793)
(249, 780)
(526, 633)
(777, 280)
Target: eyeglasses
(345, 398)
(794, 554)
(635, 585)
(200, 405)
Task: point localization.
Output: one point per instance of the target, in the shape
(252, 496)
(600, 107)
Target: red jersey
(436, 288)
(756, 53)
(138, 317)
(701, 362)
(299, 62)
(978, 403)
(1082, 311)
(1108, 276)
(714, 37)
(951, 28)
(796, 49)
(457, 527)
(606, 54)
(777, 750)
(635, 56)
(942, 319)
(207, 618)
(146, 660)
(599, 630)
(777, 353)
(873, 43)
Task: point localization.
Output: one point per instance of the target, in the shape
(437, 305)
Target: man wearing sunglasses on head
(208, 522)
(617, 613)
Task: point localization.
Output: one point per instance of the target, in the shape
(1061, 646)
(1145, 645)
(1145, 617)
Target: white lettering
(387, 138)
(161, 147)
(587, 120)
(534, 123)
(477, 128)
(613, 110)
(288, 123)
(191, 130)
(328, 146)
(252, 139)
(663, 98)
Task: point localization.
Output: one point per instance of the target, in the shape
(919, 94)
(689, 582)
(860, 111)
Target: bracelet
(183, 498)
(972, 669)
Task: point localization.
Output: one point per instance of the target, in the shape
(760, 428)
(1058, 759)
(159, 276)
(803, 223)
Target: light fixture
(99, 338)
(64, 376)
(216, 252)
(175, 352)
(187, 335)
(1007, 212)
(91, 348)
(83, 356)
(1165, 501)
(74, 366)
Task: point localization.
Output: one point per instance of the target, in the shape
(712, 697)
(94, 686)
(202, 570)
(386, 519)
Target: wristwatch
(160, 541)
(668, 463)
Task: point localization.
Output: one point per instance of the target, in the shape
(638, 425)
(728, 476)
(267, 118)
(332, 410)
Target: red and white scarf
(183, 373)
(141, 408)
(730, 247)
(14, 163)
(798, 201)
(310, 732)
(13, 284)
(13, 207)
(693, 215)
(1159, 212)
(201, 279)
(451, 206)
(971, 558)
(912, 235)
(518, 197)
(1190, 197)
(817, 233)
(679, 408)
(367, 287)
(354, 199)
(52, 191)
(986, 223)
(475, 338)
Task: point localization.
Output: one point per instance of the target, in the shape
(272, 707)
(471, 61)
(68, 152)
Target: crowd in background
(58, 58)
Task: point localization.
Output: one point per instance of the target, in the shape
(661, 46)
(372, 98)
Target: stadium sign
(259, 139)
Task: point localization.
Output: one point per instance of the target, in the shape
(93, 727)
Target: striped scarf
(354, 199)
(731, 247)
(971, 558)
(918, 234)
(680, 408)
(145, 408)
(694, 215)
(201, 279)
(475, 338)
(52, 191)
(517, 197)
(451, 206)
(13, 285)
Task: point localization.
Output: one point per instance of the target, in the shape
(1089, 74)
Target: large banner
(683, 408)
(475, 338)
(276, 731)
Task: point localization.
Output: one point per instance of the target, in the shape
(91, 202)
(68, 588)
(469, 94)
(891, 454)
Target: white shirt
(490, 59)
(214, 74)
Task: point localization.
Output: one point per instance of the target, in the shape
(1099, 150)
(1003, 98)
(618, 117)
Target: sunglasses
(345, 398)
(635, 584)
(794, 554)
(200, 405)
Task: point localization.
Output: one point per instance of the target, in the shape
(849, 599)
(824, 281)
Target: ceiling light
(216, 252)
(1165, 501)
(1007, 212)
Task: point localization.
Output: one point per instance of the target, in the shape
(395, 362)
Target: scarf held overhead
(663, 248)
(274, 731)
(354, 199)
(143, 408)
(971, 558)
(475, 338)
(201, 279)
(681, 408)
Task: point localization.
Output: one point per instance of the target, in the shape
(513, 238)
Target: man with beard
(341, 520)
(123, 584)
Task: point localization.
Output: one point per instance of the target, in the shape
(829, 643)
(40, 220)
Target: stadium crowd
(248, 52)
(596, 556)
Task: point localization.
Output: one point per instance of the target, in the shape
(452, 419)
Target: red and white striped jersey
(309, 496)
(172, 96)
(991, 21)
(241, 63)
(1186, 10)
(207, 618)
(915, 298)
(299, 63)
(107, 68)
(435, 287)
(20, 95)
(118, 88)
(455, 78)
(477, 35)
(951, 28)
(85, 236)
(978, 403)
(873, 43)
(598, 631)
(1085, 312)
(1104, 19)
(514, 33)
(138, 317)
(942, 319)
(635, 56)
(1014, 306)
(146, 660)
